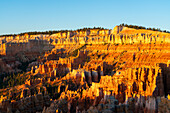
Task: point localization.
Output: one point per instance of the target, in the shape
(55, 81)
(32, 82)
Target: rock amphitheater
(120, 70)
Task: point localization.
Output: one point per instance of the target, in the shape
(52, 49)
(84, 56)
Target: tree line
(141, 27)
(51, 32)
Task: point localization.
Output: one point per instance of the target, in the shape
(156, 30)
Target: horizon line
(74, 29)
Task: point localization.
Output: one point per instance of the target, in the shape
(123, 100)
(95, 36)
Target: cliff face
(119, 35)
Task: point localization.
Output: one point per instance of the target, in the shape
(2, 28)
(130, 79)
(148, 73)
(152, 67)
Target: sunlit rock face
(130, 83)
(89, 70)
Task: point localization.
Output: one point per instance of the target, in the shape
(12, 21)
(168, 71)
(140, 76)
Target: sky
(17, 16)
